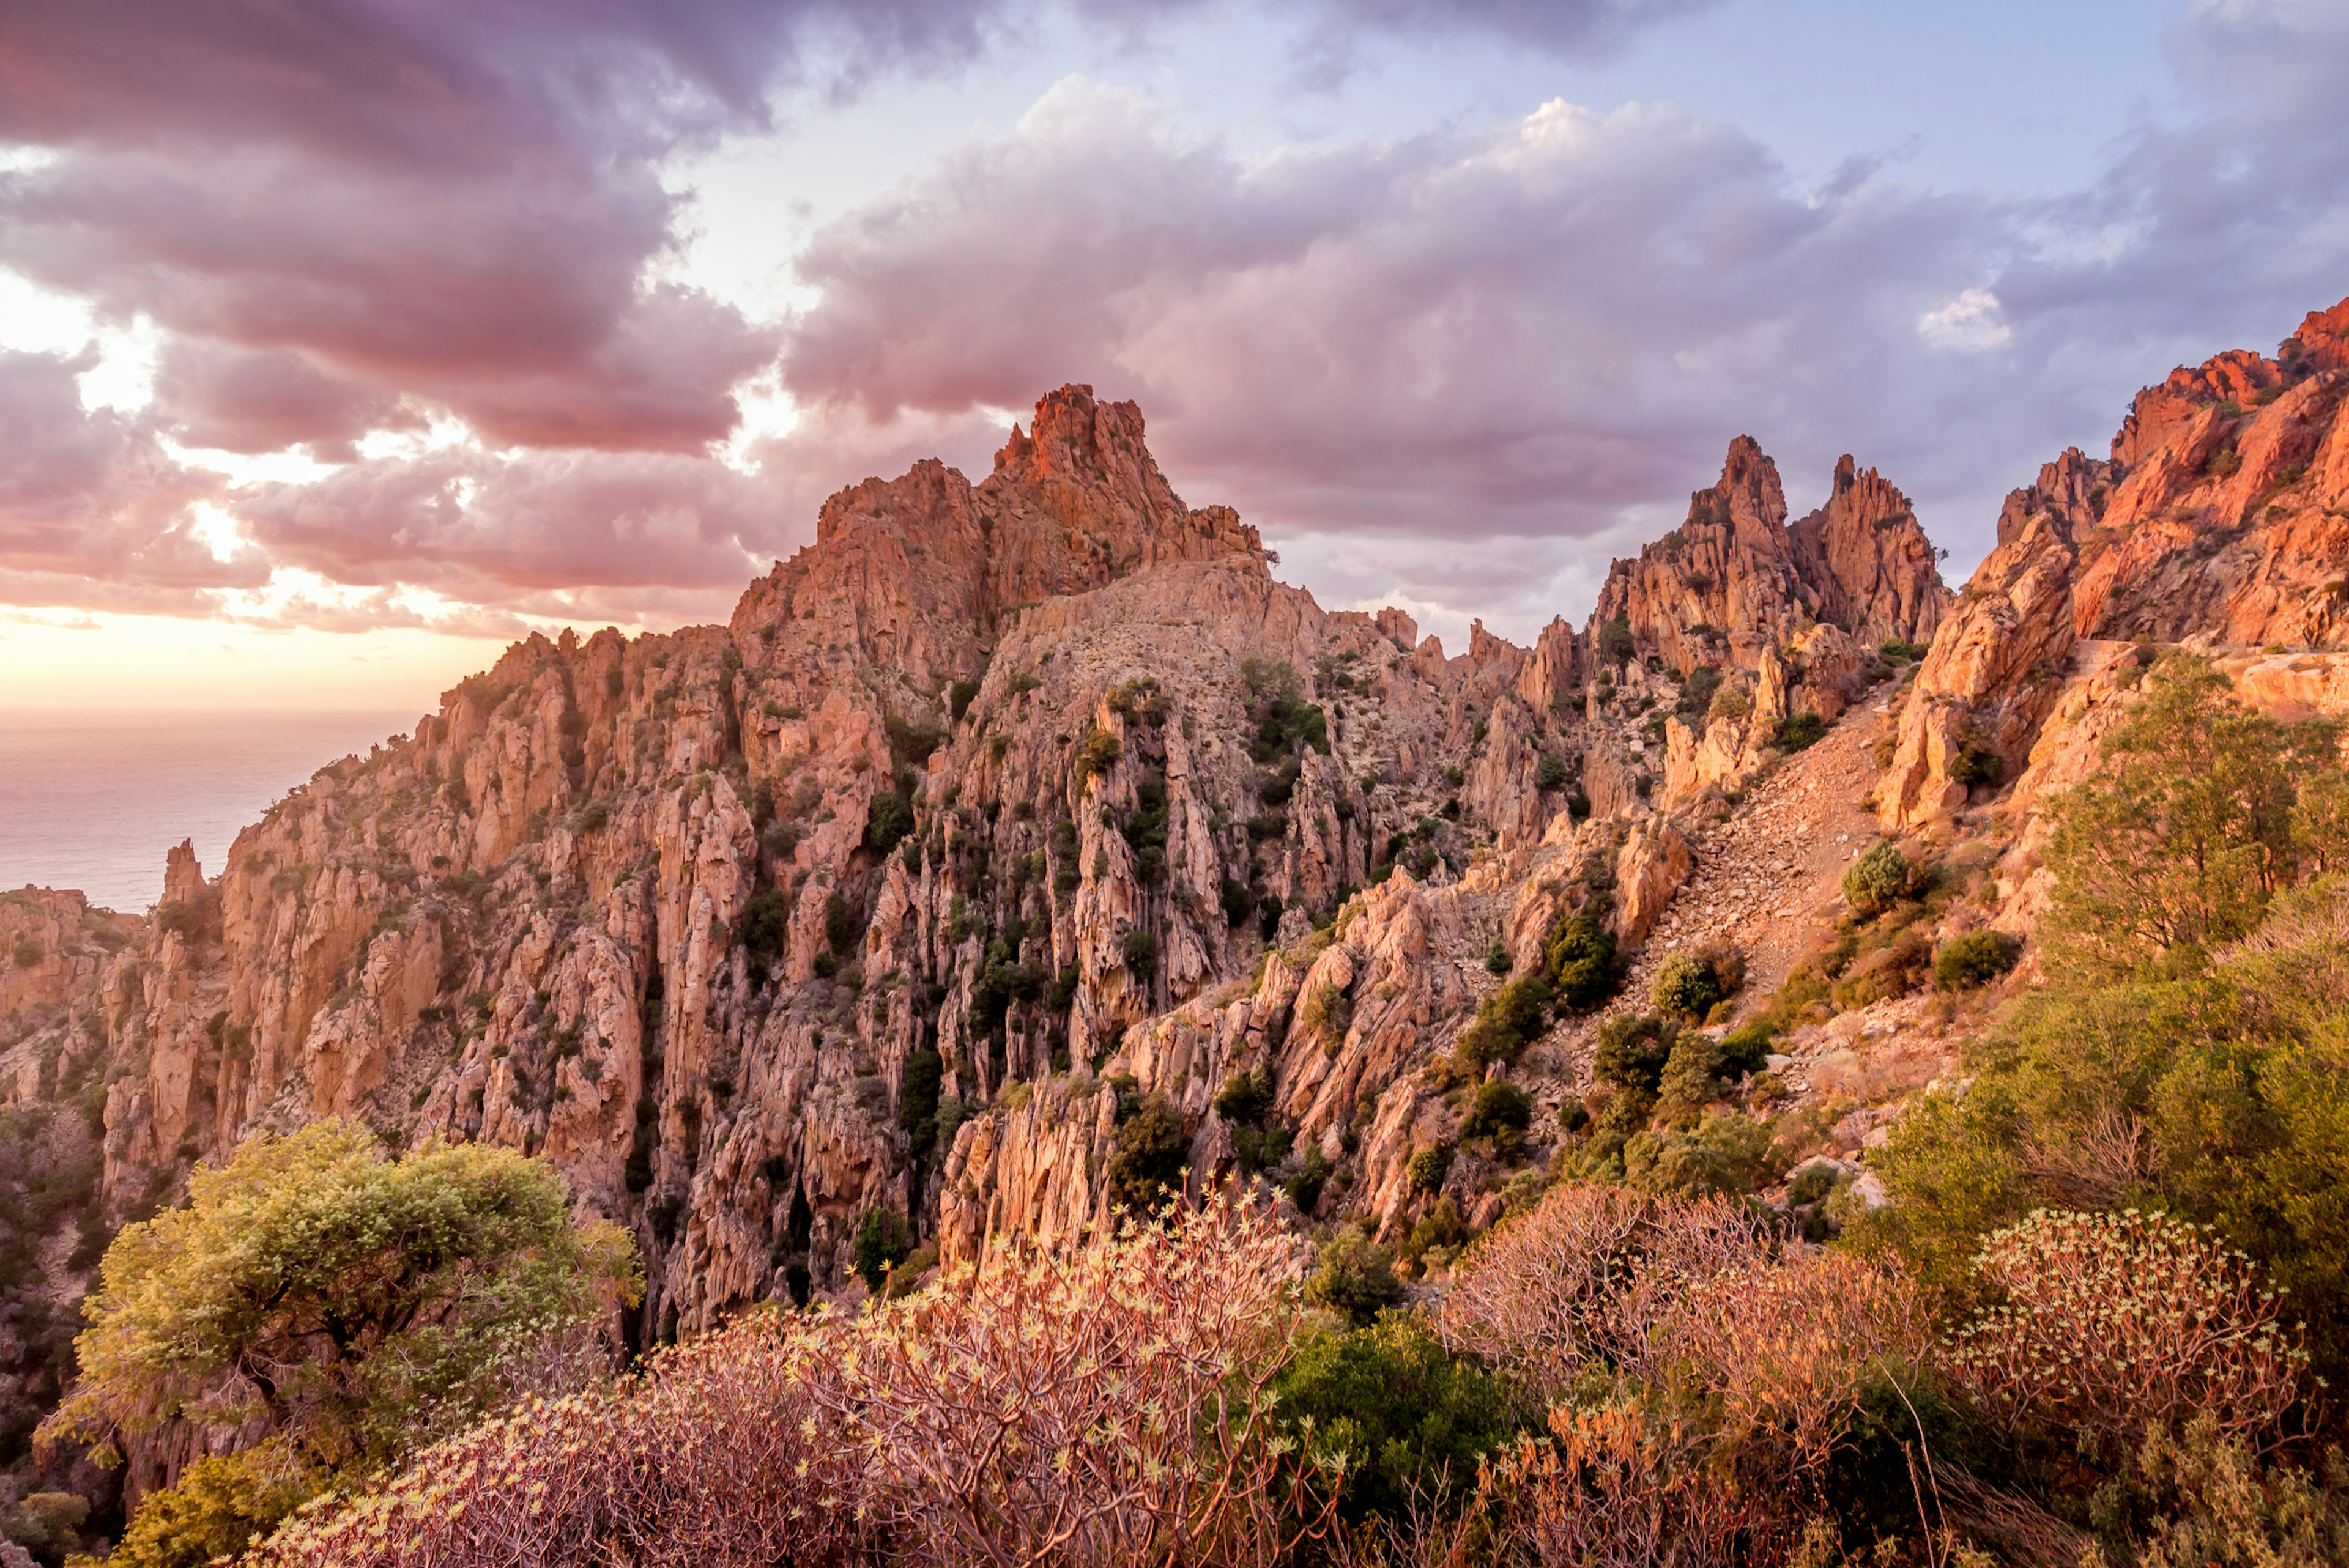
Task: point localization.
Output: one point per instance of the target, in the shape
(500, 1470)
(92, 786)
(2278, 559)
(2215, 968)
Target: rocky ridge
(1007, 810)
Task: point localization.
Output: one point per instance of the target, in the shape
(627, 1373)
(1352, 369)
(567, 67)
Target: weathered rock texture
(2222, 514)
(1042, 790)
(1735, 582)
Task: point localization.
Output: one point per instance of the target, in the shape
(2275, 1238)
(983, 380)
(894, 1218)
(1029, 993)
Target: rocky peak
(1868, 562)
(2321, 344)
(1735, 582)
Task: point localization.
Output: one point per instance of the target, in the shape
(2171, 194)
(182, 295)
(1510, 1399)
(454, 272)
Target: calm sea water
(94, 800)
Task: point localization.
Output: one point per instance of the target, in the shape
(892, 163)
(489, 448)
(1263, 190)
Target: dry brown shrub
(1761, 1346)
(1617, 1489)
(2120, 1326)
(1108, 1407)
(1532, 1292)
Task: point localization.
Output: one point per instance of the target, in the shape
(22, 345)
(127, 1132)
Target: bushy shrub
(1429, 1166)
(1685, 987)
(1975, 960)
(1725, 1152)
(1510, 1019)
(392, 1300)
(889, 820)
(1409, 1418)
(1355, 1276)
(1579, 958)
(765, 925)
(1878, 880)
(1245, 1097)
(1148, 1153)
(1500, 1107)
(882, 1238)
(1632, 1049)
(1098, 755)
(1799, 731)
(959, 696)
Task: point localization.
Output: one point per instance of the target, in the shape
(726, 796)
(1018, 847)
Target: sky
(342, 344)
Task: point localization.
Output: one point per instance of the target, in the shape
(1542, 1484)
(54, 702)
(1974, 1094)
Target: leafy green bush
(1685, 987)
(889, 820)
(1098, 755)
(1147, 1157)
(1975, 959)
(1409, 1417)
(882, 1240)
(1799, 731)
(220, 1505)
(1510, 1019)
(959, 698)
(1429, 1166)
(1878, 880)
(2202, 812)
(765, 925)
(1551, 773)
(1580, 957)
(1632, 1049)
(1500, 1105)
(1355, 1276)
(390, 1299)
(1725, 1152)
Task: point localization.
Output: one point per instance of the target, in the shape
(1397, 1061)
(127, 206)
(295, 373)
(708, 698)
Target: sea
(95, 800)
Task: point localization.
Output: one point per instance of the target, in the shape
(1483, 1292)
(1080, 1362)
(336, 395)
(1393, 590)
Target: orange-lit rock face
(2223, 515)
(1734, 582)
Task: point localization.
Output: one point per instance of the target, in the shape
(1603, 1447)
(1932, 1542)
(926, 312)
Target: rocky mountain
(1020, 844)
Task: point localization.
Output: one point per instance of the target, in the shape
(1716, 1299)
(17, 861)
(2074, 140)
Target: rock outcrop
(1011, 818)
(1735, 582)
(2223, 514)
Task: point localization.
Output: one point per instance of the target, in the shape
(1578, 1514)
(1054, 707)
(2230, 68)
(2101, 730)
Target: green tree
(343, 1304)
(2180, 842)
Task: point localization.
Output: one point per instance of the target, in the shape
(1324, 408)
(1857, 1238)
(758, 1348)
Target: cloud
(93, 512)
(1538, 340)
(1462, 365)
(448, 203)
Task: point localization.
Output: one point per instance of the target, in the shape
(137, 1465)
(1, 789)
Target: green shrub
(765, 925)
(889, 820)
(1429, 1166)
(1500, 1107)
(1799, 731)
(220, 1505)
(391, 1297)
(1976, 763)
(1098, 755)
(1685, 987)
(882, 1240)
(1975, 960)
(1245, 1097)
(1409, 1418)
(1632, 1049)
(1139, 949)
(844, 924)
(1551, 773)
(1900, 652)
(1725, 1152)
(1510, 1019)
(1147, 1157)
(1496, 957)
(1579, 958)
(1355, 1276)
(1743, 1048)
(1878, 880)
(27, 951)
(959, 698)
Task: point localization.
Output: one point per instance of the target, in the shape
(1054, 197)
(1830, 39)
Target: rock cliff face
(1734, 583)
(2223, 514)
(1009, 817)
